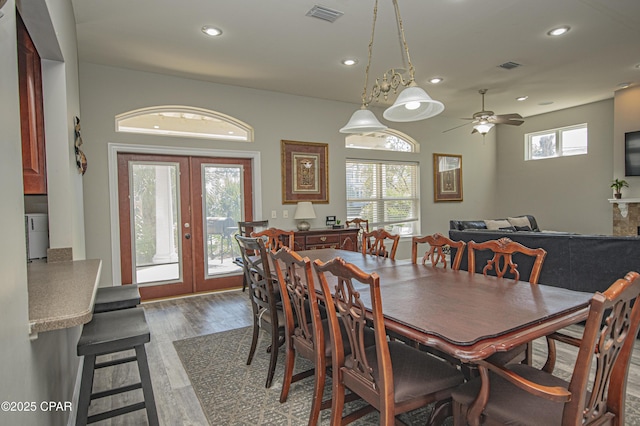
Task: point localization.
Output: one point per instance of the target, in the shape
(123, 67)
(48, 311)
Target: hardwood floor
(177, 319)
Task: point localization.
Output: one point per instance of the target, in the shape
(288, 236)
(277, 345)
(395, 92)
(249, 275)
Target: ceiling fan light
(413, 104)
(483, 128)
(363, 121)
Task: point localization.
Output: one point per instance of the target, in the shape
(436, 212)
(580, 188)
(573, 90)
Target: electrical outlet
(274, 214)
(285, 214)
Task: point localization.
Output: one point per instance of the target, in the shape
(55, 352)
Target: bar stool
(116, 298)
(108, 333)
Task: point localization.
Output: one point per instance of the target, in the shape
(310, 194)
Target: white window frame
(558, 132)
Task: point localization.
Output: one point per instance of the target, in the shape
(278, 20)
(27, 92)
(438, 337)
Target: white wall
(566, 193)
(107, 91)
(44, 369)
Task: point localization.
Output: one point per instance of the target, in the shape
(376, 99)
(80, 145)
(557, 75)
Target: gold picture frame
(305, 172)
(447, 177)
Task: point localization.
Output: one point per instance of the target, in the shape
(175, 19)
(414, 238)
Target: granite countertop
(61, 294)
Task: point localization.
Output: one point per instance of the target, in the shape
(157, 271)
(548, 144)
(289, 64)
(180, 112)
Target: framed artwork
(447, 177)
(305, 172)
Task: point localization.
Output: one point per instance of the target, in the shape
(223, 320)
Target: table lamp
(304, 211)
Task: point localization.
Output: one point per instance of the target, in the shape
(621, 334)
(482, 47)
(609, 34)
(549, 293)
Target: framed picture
(331, 220)
(447, 177)
(305, 172)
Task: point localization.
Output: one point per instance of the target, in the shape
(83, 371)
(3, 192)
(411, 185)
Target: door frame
(112, 156)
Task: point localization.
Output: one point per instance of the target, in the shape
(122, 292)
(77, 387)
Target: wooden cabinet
(345, 239)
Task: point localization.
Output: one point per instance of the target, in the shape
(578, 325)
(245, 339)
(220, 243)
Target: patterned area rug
(233, 393)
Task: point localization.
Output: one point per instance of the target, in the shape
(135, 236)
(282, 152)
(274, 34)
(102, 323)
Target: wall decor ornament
(305, 172)
(81, 159)
(447, 177)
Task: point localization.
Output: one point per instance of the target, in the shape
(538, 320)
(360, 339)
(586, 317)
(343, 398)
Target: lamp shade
(483, 127)
(304, 210)
(363, 121)
(413, 104)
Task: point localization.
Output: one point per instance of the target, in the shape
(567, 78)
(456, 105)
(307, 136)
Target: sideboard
(344, 238)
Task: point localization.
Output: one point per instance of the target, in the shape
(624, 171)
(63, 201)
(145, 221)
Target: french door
(178, 215)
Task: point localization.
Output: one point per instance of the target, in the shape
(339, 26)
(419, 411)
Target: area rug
(233, 393)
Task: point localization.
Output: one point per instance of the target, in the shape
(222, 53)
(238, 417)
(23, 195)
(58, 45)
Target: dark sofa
(580, 262)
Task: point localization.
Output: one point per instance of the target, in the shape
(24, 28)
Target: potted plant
(337, 225)
(617, 185)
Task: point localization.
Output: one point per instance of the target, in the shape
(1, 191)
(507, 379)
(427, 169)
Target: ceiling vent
(324, 13)
(509, 65)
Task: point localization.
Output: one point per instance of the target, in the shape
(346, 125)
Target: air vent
(509, 65)
(324, 13)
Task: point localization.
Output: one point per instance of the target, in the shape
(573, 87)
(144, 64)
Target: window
(386, 140)
(385, 193)
(560, 142)
(184, 121)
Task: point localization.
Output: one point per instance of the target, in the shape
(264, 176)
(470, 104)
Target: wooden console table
(344, 239)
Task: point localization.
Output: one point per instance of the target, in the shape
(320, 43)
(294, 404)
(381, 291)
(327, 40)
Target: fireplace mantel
(623, 204)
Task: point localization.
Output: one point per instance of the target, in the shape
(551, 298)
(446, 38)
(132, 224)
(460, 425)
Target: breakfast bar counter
(61, 294)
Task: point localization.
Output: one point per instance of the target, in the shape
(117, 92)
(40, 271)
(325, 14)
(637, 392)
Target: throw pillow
(522, 228)
(519, 221)
(494, 225)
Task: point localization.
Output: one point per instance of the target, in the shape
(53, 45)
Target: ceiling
(272, 45)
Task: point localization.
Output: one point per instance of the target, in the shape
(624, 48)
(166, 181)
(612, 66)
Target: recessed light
(436, 80)
(545, 103)
(211, 31)
(522, 98)
(156, 127)
(559, 31)
(624, 85)
(349, 62)
(638, 66)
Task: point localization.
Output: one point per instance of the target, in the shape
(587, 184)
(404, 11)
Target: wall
(44, 369)
(565, 193)
(108, 91)
(627, 119)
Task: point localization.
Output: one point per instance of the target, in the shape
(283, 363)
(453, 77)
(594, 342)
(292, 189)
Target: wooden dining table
(468, 316)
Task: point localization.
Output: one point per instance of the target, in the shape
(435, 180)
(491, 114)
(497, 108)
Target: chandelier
(412, 104)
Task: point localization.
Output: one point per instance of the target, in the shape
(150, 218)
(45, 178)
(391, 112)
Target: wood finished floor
(177, 319)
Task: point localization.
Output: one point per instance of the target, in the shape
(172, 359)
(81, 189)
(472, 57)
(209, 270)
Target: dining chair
(374, 243)
(245, 229)
(362, 224)
(390, 376)
(438, 246)
(594, 394)
(264, 299)
(275, 238)
(502, 263)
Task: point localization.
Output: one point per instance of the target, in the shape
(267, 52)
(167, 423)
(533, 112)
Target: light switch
(285, 214)
(274, 214)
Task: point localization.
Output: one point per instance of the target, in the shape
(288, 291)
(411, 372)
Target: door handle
(187, 236)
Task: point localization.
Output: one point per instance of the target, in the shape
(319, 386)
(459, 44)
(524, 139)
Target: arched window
(184, 121)
(386, 140)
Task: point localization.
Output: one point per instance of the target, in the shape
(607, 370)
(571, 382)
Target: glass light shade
(413, 104)
(483, 128)
(304, 210)
(363, 121)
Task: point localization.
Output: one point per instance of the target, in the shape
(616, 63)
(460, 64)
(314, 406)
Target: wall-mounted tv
(632, 153)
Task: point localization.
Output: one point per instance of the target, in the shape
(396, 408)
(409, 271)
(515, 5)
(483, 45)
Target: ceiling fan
(484, 121)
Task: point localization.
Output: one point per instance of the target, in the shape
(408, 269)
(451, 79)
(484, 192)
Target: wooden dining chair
(374, 243)
(246, 228)
(392, 377)
(502, 261)
(521, 394)
(264, 299)
(362, 224)
(438, 245)
(275, 238)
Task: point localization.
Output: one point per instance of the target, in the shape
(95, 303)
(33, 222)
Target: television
(632, 153)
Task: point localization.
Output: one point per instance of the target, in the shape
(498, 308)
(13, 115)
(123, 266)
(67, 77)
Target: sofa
(579, 262)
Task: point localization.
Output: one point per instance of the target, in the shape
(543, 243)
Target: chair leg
(337, 401)
(86, 386)
(274, 357)
(441, 410)
(320, 378)
(289, 362)
(147, 388)
(459, 414)
(254, 340)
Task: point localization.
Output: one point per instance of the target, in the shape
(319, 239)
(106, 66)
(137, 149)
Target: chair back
(246, 228)
(502, 260)
(374, 243)
(275, 238)
(356, 372)
(609, 335)
(303, 323)
(359, 223)
(439, 245)
(257, 272)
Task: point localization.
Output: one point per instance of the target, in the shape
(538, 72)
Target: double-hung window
(385, 193)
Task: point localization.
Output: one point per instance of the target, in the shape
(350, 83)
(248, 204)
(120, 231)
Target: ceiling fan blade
(474, 131)
(453, 128)
(512, 119)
